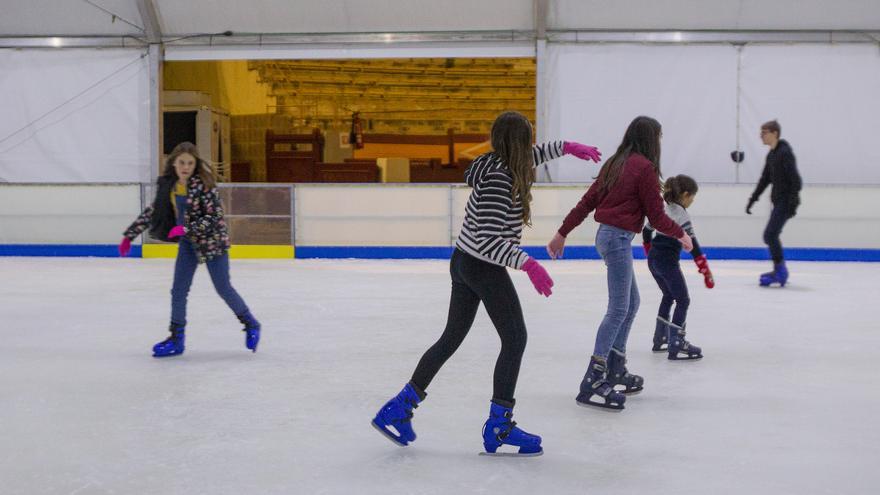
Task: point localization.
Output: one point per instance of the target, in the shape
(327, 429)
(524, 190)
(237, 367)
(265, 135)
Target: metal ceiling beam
(708, 37)
(150, 18)
(70, 42)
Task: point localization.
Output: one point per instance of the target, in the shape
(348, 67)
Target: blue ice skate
(619, 375)
(661, 336)
(500, 429)
(779, 275)
(173, 345)
(251, 330)
(394, 420)
(595, 386)
(679, 348)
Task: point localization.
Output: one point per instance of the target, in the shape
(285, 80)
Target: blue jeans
(615, 247)
(185, 268)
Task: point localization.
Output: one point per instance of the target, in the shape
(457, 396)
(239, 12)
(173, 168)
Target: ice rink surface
(786, 400)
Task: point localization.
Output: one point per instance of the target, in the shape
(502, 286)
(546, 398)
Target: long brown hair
(642, 137)
(677, 185)
(203, 170)
(512, 141)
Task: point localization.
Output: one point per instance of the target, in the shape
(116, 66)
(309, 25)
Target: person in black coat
(780, 170)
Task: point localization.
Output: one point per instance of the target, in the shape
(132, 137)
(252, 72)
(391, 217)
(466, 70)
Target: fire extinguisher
(356, 137)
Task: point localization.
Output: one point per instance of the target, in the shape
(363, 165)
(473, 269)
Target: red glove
(703, 268)
(177, 231)
(125, 247)
(539, 277)
(647, 246)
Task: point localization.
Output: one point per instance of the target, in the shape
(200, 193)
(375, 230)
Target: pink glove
(125, 247)
(686, 242)
(539, 277)
(178, 231)
(581, 151)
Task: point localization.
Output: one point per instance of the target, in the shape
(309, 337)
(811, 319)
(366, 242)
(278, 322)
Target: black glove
(793, 206)
(749, 206)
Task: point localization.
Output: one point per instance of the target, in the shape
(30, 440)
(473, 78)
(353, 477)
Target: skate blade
(388, 435)
(658, 350)
(601, 407)
(162, 356)
(512, 454)
(635, 391)
(686, 358)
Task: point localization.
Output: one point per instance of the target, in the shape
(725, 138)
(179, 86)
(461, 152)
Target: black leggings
(475, 280)
(667, 272)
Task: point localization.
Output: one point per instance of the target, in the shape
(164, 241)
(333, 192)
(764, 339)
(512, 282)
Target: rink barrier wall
(416, 221)
(416, 252)
(236, 251)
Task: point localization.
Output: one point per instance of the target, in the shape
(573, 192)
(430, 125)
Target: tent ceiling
(69, 18)
(177, 18)
(714, 14)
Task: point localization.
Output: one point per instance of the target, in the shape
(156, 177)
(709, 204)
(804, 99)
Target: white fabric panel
(325, 52)
(343, 16)
(342, 215)
(714, 14)
(74, 116)
(827, 100)
(594, 92)
(67, 214)
(66, 17)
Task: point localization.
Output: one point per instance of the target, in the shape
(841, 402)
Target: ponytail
(676, 186)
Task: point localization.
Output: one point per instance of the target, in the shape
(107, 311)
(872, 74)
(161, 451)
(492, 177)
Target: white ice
(785, 401)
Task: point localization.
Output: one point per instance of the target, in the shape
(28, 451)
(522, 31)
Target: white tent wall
(74, 116)
(827, 100)
(825, 96)
(594, 91)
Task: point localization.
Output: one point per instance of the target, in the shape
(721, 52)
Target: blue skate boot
(661, 336)
(500, 429)
(679, 348)
(595, 386)
(618, 374)
(173, 345)
(397, 414)
(779, 275)
(251, 330)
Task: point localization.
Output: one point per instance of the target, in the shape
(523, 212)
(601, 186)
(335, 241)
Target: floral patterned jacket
(203, 221)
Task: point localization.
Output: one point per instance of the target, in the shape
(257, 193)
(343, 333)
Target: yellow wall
(229, 82)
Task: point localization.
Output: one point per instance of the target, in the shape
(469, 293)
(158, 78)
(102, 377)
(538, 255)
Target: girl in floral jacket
(187, 210)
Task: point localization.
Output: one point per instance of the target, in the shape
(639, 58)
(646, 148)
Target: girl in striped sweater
(498, 208)
(626, 191)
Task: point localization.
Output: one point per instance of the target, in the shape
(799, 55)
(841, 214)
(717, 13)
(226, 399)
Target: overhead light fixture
(56, 42)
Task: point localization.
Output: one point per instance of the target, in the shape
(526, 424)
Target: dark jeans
(475, 280)
(185, 268)
(667, 272)
(780, 214)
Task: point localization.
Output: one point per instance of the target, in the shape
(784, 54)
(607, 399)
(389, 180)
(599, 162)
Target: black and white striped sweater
(492, 227)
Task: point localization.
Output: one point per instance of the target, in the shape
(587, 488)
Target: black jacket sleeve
(762, 183)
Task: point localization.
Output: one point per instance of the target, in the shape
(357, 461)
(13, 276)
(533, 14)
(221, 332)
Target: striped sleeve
(492, 220)
(545, 152)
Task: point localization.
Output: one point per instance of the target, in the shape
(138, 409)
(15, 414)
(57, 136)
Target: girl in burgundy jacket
(626, 191)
